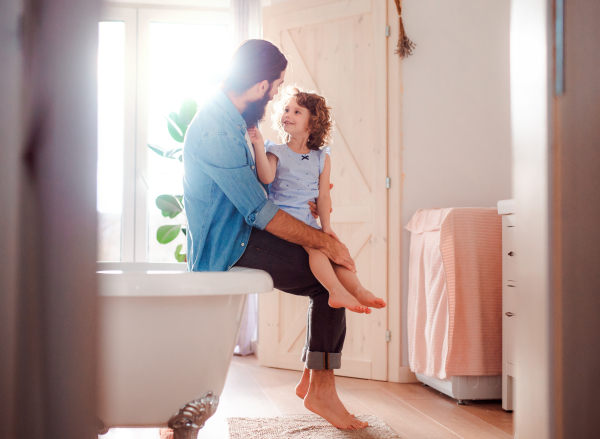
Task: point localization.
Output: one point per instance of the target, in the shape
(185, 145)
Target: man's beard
(255, 111)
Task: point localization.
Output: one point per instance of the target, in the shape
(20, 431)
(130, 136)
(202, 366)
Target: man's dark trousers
(288, 265)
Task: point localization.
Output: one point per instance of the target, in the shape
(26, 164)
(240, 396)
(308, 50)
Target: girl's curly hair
(320, 123)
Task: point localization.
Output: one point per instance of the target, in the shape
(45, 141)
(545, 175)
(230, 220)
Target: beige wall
(456, 115)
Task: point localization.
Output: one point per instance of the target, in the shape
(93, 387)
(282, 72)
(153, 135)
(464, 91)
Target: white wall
(456, 115)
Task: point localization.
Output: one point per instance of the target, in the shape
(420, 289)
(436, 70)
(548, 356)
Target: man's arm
(224, 160)
(289, 228)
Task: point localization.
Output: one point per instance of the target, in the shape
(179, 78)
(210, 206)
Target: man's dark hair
(254, 61)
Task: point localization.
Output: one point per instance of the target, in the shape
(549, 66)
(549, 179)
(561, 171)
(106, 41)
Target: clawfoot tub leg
(191, 417)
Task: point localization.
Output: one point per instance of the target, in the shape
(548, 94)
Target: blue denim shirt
(223, 197)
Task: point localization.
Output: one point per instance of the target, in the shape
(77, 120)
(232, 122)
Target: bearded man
(231, 221)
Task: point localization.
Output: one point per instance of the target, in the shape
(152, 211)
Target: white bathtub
(166, 339)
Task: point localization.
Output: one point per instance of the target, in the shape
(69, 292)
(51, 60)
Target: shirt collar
(232, 112)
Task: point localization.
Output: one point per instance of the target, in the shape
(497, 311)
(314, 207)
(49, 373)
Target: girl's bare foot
(367, 298)
(340, 298)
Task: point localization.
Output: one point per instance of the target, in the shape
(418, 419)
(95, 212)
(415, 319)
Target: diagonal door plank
(292, 333)
(359, 239)
(342, 148)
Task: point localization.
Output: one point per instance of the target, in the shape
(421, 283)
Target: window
(150, 61)
(111, 57)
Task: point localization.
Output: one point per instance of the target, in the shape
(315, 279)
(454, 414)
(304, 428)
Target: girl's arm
(324, 200)
(266, 164)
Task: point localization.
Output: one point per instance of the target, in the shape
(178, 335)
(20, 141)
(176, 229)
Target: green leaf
(174, 127)
(173, 153)
(184, 230)
(178, 123)
(187, 111)
(166, 234)
(169, 205)
(157, 149)
(178, 255)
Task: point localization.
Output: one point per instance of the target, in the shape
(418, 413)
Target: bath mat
(305, 427)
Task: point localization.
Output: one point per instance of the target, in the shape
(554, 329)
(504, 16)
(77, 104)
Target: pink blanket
(455, 292)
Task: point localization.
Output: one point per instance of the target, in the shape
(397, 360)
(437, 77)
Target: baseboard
(406, 375)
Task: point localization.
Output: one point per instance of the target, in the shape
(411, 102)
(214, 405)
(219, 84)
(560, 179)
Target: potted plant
(172, 205)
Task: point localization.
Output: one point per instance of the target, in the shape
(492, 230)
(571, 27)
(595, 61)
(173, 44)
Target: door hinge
(387, 31)
(388, 335)
(387, 182)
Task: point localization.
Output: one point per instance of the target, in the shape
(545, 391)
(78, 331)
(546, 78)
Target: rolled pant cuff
(321, 360)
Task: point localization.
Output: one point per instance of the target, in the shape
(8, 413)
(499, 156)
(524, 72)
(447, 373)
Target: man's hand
(331, 233)
(338, 253)
(289, 228)
(313, 206)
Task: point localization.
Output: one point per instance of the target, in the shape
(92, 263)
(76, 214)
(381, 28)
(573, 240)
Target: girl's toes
(367, 311)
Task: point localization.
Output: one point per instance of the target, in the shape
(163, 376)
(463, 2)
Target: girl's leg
(350, 281)
(323, 271)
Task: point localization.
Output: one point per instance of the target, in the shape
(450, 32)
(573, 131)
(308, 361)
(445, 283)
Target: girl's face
(295, 119)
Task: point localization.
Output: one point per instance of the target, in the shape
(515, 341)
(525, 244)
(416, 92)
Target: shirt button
(252, 167)
(242, 244)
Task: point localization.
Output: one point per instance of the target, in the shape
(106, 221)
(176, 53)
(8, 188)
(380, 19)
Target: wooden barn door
(338, 48)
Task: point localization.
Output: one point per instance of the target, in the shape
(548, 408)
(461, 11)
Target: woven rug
(305, 427)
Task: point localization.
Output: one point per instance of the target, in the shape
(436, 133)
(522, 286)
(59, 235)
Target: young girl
(299, 172)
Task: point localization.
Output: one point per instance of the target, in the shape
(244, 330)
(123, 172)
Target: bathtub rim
(147, 279)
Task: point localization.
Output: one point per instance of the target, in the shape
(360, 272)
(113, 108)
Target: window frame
(134, 220)
(129, 17)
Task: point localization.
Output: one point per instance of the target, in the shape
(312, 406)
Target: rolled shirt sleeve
(224, 159)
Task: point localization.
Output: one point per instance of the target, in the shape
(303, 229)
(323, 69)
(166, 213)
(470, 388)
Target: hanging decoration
(405, 45)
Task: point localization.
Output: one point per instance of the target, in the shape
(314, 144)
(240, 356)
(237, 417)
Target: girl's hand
(331, 233)
(256, 137)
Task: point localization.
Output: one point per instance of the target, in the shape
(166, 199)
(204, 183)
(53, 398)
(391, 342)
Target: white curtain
(248, 327)
(246, 16)
(247, 24)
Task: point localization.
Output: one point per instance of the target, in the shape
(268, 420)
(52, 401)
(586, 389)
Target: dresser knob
(511, 253)
(509, 314)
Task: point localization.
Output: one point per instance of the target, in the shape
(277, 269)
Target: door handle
(511, 253)
(508, 314)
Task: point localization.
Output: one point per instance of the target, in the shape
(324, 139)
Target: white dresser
(506, 208)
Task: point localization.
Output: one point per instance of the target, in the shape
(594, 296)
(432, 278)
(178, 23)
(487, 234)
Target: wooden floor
(412, 410)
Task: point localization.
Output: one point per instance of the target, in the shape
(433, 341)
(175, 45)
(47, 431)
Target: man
(231, 222)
